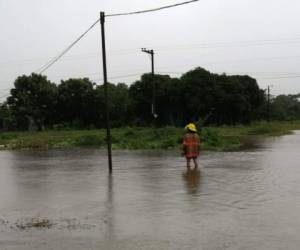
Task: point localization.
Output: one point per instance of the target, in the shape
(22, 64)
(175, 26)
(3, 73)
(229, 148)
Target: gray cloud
(259, 38)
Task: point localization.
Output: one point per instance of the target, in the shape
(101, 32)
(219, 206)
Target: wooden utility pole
(108, 135)
(268, 117)
(153, 106)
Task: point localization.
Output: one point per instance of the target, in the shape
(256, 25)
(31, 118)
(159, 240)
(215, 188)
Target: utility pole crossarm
(149, 51)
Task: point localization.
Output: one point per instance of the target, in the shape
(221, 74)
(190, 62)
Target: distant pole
(153, 106)
(153, 83)
(268, 116)
(108, 136)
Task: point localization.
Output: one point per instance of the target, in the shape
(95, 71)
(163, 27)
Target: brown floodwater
(65, 199)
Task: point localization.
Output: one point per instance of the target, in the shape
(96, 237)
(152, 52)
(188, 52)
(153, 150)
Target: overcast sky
(256, 37)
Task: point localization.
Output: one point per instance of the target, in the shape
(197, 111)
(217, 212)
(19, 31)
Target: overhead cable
(162, 48)
(278, 77)
(117, 77)
(55, 59)
(150, 10)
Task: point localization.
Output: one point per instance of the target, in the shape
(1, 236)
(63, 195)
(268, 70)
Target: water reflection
(247, 199)
(192, 179)
(109, 213)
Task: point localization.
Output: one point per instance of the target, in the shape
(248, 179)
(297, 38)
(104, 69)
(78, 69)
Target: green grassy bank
(223, 138)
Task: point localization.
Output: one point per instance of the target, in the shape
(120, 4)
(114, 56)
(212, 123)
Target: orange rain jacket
(191, 145)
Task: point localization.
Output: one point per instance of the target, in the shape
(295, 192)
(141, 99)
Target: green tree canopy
(33, 99)
(76, 102)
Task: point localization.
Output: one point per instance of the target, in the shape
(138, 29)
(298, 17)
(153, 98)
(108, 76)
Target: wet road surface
(62, 199)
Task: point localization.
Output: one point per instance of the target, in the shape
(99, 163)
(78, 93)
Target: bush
(89, 140)
(211, 137)
(8, 136)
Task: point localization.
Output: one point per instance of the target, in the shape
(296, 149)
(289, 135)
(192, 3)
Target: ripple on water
(236, 200)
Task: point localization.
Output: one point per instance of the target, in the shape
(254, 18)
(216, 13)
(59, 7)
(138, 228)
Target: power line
(67, 58)
(278, 77)
(259, 75)
(170, 72)
(150, 10)
(287, 76)
(117, 77)
(89, 56)
(258, 59)
(210, 45)
(55, 59)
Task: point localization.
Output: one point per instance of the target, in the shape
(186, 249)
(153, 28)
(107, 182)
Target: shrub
(89, 140)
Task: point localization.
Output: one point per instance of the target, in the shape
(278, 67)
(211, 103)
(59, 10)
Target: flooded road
(63, 199)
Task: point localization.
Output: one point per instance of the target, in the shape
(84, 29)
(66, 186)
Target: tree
(240, 100)
(7, 121)
(199, 87)
(141, 94)
(32, 101)
(234, 99)
(198, 94)
(285, 107)
(119, 105)
(171, 107)
(76, 102)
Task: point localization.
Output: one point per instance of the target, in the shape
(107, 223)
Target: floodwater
(61, 199)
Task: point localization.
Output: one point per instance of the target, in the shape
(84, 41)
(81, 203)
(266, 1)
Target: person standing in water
(191, 145)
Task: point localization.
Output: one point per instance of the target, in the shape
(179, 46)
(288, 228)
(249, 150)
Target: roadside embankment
(224, 138)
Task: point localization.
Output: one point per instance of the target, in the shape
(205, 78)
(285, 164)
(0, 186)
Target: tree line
(37, 103)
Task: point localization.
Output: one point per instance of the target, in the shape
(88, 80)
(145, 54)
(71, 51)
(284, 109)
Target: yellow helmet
(191, 127)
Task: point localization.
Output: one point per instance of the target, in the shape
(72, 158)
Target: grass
(224, 138)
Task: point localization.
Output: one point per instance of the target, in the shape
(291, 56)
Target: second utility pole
(269, 109)
(153, 109)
